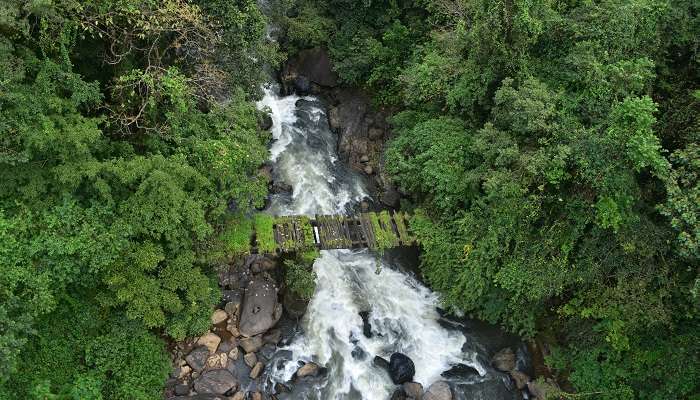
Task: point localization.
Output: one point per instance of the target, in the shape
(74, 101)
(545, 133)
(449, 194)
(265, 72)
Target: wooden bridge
(265, 233)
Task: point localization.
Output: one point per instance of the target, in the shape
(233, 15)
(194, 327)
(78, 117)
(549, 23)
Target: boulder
(250, 359)
(302, 85)
(366, 325)
(210, 340)
(197, 359)
(251, 344)
(521, 379)
(439, 390)
(413, 390)
(217, 381)
(234, 354)
(260, 310)
(504, 360)
(401, 368)
(315, 64)
(257, 369)
(461, 371)
(265, 122)
(281, 187)
(308, 369)
(218, 317)
(381, 363)
(390, 197)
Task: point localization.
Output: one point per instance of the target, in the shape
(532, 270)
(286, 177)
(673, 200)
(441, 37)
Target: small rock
(238, 396)
(234, 354)
(257, 396)
(364, 159)
(218, 317)
(273, 336)
(308, 369)
(210, 340)
(368, 170)
(381, 363)
(227, 345)
(250, 359)
(218, 360)
(232, 308)
(439, 390)
(182, 390)
(218, 381)
(401, 368)
(375, 133)
(251, 344)
(184, 371)
(257, 369)
(413, 390)
(197, 359)
(521, 379)
(504, 360)
(233, 329)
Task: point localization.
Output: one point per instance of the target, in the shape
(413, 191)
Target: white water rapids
(402, 312)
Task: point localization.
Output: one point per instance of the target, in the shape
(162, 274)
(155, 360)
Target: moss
(383, 231)
(406, 237)
(237, 235)
(265, 233)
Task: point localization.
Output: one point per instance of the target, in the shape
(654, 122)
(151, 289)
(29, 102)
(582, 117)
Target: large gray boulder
(260, 310)
(217, 381)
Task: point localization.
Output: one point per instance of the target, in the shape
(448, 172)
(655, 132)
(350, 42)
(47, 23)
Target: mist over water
(402, 312)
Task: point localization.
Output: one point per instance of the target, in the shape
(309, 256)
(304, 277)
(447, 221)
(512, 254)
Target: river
(402, 312)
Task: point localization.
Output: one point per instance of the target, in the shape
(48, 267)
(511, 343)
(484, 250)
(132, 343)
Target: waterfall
(401, 311)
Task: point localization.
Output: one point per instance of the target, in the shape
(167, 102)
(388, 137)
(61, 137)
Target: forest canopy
(550, 153)
(127, 131)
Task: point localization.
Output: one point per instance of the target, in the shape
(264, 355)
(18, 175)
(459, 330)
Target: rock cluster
(230, 359)
(505, 361)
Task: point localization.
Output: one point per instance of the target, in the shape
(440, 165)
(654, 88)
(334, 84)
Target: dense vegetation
(551, 149)
(127, 132)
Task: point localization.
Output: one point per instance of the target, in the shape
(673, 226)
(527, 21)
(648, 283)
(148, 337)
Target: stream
(402, 314)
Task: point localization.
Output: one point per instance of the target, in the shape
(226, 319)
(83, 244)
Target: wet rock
(375, 133)
(315, 64)
(182, 390)
(438, 391)
(504, 360)
(293, 304)
(381, 363)
(366, 326)
(398, 394)
(521, 379)
(260, 309)
(197, 359)
(401, 368)
(333, 119)
(228, 345)
(390, 197)
(308, 369)
(461, 371)
(413, 390)
(257, 369)
(267, 352)
(302, 85)
(273, 336)
(218, 381)
(358, 354)
(251, 344)
(210, 340)
(218, 317)
(250, 359)
(265, 122)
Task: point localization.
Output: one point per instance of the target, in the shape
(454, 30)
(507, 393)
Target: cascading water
(402, 312)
